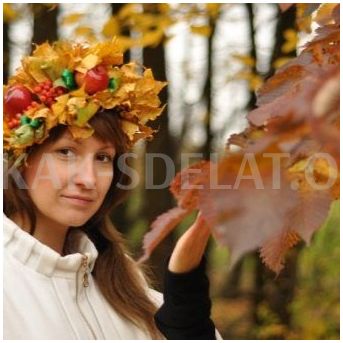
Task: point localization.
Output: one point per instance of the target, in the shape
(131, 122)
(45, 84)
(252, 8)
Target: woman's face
(68, 179)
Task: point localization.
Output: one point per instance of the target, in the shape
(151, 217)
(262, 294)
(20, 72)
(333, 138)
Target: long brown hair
(118, 276)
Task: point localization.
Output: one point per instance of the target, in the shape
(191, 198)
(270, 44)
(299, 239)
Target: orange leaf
(310, 213)
(274, 250)
(186, 184)
(251, 208)
(160, 228)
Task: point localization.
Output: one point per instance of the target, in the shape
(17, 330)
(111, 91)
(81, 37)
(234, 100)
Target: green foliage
(316, 305)
(136, 234)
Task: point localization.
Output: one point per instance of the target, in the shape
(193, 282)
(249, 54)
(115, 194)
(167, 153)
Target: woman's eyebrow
(107, 146)
(67, 140)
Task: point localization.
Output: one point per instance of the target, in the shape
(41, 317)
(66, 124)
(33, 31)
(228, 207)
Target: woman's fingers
(200, 226)
(190, 247)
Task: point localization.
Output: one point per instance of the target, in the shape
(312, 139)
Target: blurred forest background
(214, 57)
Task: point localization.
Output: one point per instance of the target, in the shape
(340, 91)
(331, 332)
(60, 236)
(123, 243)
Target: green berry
(68, 79)
(113, 83)
(25, 120)
(35, 123)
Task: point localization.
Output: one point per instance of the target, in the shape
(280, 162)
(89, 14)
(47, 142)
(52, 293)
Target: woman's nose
(85, 173)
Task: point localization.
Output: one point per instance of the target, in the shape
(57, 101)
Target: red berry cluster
(14, 121)
(33, 105)
(47, 93)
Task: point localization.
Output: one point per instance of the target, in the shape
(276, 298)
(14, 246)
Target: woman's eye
(65, 152)
(105, 158)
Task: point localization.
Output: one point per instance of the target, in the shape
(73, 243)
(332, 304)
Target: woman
(67, 273)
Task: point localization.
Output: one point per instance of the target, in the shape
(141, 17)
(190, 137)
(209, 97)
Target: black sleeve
(186, 311)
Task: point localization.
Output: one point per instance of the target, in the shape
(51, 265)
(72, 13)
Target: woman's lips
(76, 200)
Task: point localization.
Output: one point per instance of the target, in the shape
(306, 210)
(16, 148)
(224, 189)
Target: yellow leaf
(245, 59)
(164, 22)
(151, 38)
(279, 62)
(86, 113)
(111, 27)
(304, 21)
(59, 111)
(74, 104)
(129, 128)
(213, 9)
(80, 132)
(125, 43)
(90, 61)
(323, 15)
(146, 21)
(242, 75)
(325, 169)
(255, 82)
(299, 166)
(72, 18)
(42, 113)
(291, 40)
(164, 8)
(151, 114)
(108, 52)
(203, 30)
(62, 99)
(33, 66)
(80, 92)
(83, 31)
(9, 13)
(127, 11)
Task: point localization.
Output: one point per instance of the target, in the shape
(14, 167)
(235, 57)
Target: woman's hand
(190, 247)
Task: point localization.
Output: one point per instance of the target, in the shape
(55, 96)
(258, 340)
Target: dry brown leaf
(161, 228)
(250, 211)
(186, 185)
(274, 250)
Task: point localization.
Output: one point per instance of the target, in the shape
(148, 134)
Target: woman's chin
(74, 217)
(75, 221)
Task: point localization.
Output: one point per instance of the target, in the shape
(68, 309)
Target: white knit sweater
(49, 296)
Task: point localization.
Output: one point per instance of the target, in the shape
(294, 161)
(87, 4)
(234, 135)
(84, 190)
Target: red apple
(17, 99)
(96, 80)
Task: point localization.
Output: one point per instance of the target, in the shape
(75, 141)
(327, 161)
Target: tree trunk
(252, 96)
(119, 215)
(285, 21)
(231, 286)
(207, 148)
(279, 293)
(44, 24)
(158, 201)
(6, 53)
(116, 7)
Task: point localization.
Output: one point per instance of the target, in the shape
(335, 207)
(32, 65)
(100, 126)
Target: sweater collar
(35, 255)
